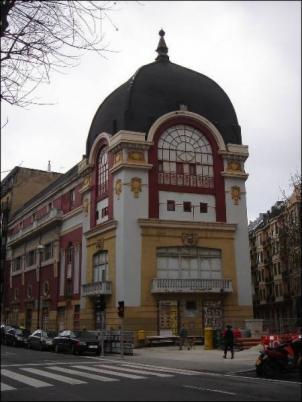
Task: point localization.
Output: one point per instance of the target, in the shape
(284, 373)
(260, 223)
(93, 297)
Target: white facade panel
(127, 210)
(179, 214)
(101, 205)
(238, 214)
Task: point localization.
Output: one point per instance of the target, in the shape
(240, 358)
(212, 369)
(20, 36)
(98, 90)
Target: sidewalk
(198, 358)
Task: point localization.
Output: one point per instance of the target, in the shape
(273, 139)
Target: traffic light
(121, 308)
(100, 303)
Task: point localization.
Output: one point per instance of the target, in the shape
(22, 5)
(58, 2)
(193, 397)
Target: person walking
(183, 333)
(228, 338)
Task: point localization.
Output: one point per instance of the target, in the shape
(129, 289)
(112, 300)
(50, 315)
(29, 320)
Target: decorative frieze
(234, 166)
(189, 239)
(136, 156)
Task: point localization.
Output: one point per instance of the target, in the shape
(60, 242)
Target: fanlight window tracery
(102, 172)
(185, 158)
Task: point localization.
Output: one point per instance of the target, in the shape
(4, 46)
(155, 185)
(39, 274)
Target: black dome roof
(158, 88)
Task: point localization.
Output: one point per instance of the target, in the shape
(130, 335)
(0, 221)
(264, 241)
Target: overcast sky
(251, 49)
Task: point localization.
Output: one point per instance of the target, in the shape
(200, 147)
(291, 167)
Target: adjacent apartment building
(154, 216)
(275, 248)
(17, 187)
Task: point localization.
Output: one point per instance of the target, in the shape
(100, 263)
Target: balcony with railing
(52, 217)
(97, 288)
(160, 285)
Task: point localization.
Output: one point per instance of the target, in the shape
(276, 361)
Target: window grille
(102, 172)
(100, 266)
(185, 158)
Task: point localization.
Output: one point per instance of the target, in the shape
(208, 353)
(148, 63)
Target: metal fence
(282, 325)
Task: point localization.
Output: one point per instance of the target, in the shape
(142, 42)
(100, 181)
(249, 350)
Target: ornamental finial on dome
(162, 49)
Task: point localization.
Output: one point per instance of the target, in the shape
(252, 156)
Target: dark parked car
(4, 330)
(77, 342)
(16, 336)
(41, 340)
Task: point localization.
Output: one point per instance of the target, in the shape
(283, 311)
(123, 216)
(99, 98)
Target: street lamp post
(40, 250)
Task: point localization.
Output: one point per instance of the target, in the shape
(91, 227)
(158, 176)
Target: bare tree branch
(40, 36)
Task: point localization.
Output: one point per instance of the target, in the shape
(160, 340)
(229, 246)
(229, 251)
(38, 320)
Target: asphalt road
(28, 375)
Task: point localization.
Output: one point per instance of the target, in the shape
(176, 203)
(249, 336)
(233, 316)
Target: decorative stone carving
(118, 157)
(136, 156)
(86, 184)
(136, 186)
(235, 191)
(189, 239)
(85, 206)
(234, 166)
(118, 188)
(99, 243)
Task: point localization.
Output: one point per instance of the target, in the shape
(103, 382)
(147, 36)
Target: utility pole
(121, 311)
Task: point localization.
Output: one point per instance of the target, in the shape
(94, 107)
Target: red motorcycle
(272, 362)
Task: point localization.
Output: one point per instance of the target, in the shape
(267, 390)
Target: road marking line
(208, 389)
(5, 387)
(82, 374)
(139, 371)
(99, 370)
(58, 377)
(163, 369)
(24, 379)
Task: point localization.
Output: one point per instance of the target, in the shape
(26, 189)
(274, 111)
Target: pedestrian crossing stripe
(59, 377)
(102, 369)
(161, 369)
(82, 374)
(24, 379)
(141, 371)
(109, 371)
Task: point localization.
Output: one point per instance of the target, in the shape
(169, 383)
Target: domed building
(168, 203)
(154, 216)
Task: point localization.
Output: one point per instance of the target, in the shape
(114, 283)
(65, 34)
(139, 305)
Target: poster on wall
(168, 313)
(213, 314)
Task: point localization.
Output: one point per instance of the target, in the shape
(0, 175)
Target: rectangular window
(203, 208)
(104, 212)
(71, 198)
(100, 266)
(17, 264)
(170, 205)
(31, 258)
(76, 317)
(187, 206)
(48, 251)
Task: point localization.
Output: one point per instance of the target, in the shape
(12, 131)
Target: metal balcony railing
(160, 285)
(97, 288)
(53, 215)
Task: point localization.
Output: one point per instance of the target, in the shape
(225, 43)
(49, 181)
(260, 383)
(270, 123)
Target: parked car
(77, 342)
(16, 336)
(41, 340)
(4, 330)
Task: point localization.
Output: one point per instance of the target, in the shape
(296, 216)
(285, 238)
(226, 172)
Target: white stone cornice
(235, 175)
(129, 165)
(184, 225)
(202, 120)
(94, 148)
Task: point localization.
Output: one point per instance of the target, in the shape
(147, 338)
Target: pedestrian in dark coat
(228, 338)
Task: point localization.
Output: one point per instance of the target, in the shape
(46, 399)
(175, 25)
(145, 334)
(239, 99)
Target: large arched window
(102, 173)
(185, 158)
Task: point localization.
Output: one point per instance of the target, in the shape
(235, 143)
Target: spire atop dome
(162, 49)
